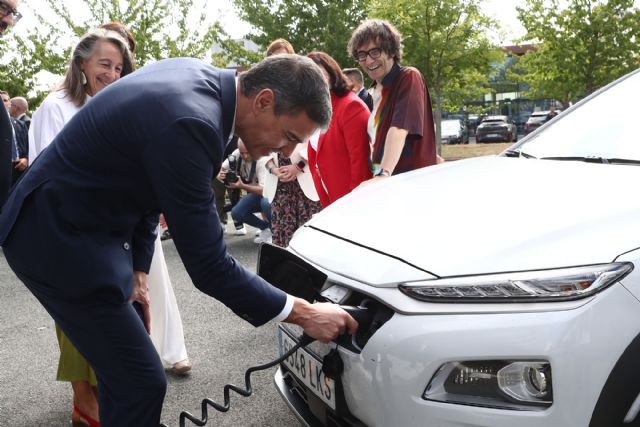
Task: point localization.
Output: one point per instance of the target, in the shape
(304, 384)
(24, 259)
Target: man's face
(265, 132)
(6, 101)
(14, 110)
(376, 68)
(6, 14)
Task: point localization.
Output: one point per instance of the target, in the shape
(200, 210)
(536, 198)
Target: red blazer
(341, 161)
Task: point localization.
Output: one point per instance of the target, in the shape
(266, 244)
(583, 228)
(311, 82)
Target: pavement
(221, 347)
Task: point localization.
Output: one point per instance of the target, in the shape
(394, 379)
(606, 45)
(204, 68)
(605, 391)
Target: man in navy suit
(79, 227)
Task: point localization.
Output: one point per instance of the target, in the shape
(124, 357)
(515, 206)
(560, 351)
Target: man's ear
(264, 100)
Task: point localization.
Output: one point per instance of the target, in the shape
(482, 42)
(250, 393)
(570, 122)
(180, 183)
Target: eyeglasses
(374, 53)
(6, 10)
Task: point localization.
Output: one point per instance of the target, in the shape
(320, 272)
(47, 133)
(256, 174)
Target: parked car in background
(537, 119)
(453, 132)
(475, 320)
(496, 128)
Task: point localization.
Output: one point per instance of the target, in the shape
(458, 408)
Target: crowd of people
(307, 132)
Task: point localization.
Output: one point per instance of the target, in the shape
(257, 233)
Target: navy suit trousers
(110, 335)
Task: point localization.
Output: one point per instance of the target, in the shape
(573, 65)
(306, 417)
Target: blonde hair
(279, 44)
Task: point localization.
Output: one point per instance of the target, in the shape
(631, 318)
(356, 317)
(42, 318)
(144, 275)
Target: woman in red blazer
(339, 161)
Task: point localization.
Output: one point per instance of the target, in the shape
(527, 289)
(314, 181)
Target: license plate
(308, 370)
(493, 135)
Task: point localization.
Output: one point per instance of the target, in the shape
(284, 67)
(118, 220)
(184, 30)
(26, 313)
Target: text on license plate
(308, 370)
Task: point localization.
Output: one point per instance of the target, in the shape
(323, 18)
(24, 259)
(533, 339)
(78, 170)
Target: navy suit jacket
(84, 214)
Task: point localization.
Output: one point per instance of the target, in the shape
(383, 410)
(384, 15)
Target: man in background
(19, 109)
(8, 17)
(241, 172)
(19, 142)
(355, 77)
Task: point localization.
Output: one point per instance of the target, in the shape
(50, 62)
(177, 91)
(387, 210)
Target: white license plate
(493, 135)
(308, 370)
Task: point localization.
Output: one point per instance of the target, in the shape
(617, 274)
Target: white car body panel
(555, 194)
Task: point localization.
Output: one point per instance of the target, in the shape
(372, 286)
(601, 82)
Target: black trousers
(109, 334)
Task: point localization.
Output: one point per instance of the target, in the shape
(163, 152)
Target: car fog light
(505, 384)
(527, 286)
(526, 381)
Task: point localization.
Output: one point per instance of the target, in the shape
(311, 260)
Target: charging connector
(360, 314)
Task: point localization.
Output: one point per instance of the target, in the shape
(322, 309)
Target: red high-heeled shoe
(79, 418)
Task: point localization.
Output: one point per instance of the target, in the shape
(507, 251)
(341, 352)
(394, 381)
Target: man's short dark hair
(354, 74)
(297, 82)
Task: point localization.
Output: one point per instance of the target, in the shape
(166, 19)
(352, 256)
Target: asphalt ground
(221, 347)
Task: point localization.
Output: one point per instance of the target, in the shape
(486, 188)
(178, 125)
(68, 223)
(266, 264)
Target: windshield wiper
(518, 153)
(595, 159)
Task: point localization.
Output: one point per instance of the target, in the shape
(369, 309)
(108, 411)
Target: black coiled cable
(246, 392)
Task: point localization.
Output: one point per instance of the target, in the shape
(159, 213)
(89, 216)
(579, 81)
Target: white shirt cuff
(288, 306)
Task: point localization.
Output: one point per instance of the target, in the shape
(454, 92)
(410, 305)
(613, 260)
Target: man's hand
(140, 294)
(21, 164)
(322, 321)
(238, 184)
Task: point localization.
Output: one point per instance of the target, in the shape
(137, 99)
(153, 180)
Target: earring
(84, 78)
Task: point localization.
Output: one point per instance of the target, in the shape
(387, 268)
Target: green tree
(447, 41)
(162, 29)
(581, 47)
(309, 25)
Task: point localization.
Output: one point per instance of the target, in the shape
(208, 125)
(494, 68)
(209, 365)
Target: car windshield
(603, 127)
(493, 121)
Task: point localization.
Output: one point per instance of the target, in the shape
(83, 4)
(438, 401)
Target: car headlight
(530, 286)
(504, 384)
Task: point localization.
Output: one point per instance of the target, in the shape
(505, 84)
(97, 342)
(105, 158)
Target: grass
(457, 152)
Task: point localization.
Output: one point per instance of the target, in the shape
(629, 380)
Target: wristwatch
(381, 172)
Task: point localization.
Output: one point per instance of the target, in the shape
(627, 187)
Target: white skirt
(167, 334)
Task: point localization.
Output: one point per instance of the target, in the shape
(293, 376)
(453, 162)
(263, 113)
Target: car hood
(485, 215)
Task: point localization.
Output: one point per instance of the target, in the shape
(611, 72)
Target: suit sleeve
(144, 237)
(354, 130)
(180, 167)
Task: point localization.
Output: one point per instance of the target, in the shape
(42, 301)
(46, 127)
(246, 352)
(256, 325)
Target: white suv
(500, 291)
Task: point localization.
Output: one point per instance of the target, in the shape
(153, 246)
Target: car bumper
(384, 384)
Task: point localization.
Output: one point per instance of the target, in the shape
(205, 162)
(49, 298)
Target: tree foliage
(161, 28)
(582, 46)
(447, 41)
(309, 25)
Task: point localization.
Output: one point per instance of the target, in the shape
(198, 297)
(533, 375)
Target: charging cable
(360, 314)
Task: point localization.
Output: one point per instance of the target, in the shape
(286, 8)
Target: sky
(504, 11)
